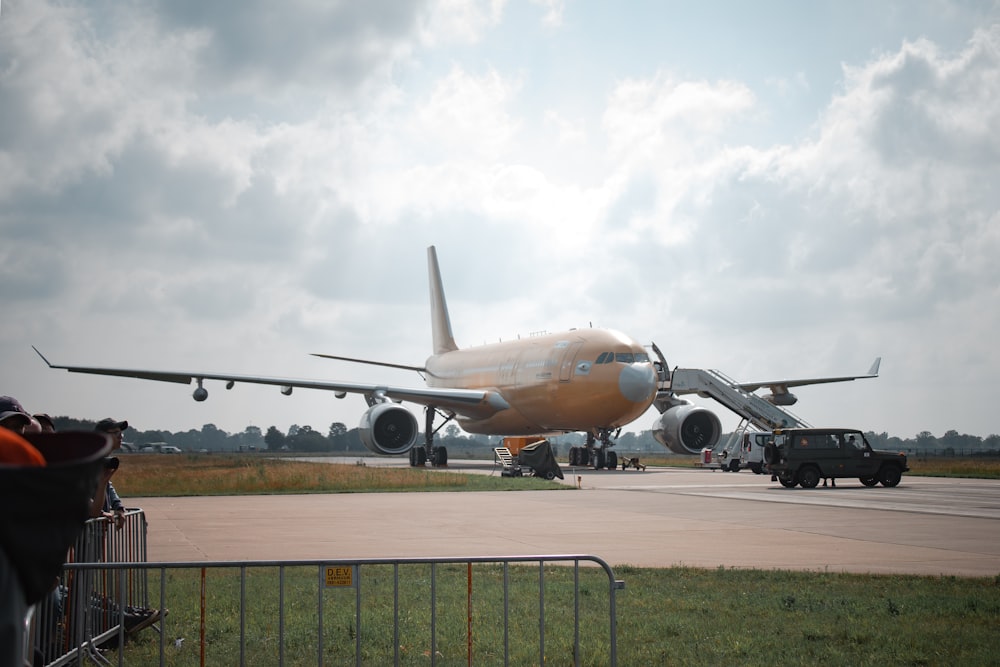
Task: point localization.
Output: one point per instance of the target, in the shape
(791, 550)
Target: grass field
(675, 616)
(237, 474)
(241, 474)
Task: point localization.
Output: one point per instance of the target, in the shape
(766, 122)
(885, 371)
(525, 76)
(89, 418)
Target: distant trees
(340, 439)
(274, 439)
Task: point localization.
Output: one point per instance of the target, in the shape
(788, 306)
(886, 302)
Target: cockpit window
(604, 358)
(625, 357)
(641, 358)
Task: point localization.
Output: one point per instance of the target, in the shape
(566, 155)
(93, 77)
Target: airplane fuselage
(578, 380)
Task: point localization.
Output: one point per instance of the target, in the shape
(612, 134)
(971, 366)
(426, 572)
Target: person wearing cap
(50, 479)
(45, 422)
(13, 416)
(106, 501)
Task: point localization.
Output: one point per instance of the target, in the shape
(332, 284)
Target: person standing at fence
(106, 501)
(51, 504)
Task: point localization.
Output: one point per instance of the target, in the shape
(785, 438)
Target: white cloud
(229, 198)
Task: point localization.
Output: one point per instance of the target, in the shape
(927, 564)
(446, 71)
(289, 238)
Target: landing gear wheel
(440, 458)
(574, 456)
(550, 475)
(583, 458)
(809, 477)
(869, 481)
(787, 482)
(612, 460)
(419, 457)
(890, 475)
(598, 459)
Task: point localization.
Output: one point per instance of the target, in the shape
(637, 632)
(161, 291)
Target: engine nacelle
(388, 428)
(687, 429)
(200, 394)
(783, 398)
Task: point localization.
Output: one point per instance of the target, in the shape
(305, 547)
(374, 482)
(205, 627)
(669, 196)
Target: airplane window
(603, 359)
(625, 357)
(641, 358)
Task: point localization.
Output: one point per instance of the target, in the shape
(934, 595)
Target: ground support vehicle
(744, 449)
(527, 456)
(805, 456)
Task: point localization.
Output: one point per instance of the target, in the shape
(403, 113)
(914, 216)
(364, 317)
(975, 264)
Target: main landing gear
(438, 456)
(593, 456)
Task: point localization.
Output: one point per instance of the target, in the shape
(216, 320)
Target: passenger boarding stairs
(507, 461)
(712, 384)
(752, 409)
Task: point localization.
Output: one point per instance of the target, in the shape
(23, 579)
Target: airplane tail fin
(444, 341)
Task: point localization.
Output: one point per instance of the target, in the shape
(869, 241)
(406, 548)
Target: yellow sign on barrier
(340, 576)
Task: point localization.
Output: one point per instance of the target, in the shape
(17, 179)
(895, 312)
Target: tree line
(339, 439)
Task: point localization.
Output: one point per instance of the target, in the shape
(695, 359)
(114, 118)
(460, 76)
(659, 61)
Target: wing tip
(47, 362)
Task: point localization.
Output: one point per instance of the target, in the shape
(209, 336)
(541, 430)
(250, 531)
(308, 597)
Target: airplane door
(568, 359)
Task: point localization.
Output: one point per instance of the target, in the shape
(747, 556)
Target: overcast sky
(772, 189)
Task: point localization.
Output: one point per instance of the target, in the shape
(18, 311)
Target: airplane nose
(637, 382)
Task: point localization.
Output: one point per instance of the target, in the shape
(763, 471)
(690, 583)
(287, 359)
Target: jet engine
(686, 429)
(388, 428)
(783, 398)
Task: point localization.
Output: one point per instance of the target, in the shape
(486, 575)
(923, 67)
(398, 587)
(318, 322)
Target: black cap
(11, 407)
(109, 424)
(43, 418)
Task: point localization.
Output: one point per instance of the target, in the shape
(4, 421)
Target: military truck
(804, 456)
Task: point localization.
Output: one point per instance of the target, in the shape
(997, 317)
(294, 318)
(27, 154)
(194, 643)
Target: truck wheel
(809, 477)
(869, 481)
(550, 475)
(612, 460)
(890, 475)
(756, 468)
(788, 482)
(734, 465)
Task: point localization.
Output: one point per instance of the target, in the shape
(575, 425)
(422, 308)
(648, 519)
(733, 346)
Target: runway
(654, 518)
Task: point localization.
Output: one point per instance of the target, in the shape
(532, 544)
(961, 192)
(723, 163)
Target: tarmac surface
(654, 518)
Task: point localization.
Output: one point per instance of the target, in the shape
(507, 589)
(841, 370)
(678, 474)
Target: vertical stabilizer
(440, 322)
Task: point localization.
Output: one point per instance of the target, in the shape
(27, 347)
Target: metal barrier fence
(476, 610)
(85, 608)
(520, 609)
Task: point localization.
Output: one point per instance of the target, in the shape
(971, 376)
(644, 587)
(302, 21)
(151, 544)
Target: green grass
(240, 474)
(673, 616)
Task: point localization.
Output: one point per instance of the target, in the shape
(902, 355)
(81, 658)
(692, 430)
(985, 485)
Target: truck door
(856, 449)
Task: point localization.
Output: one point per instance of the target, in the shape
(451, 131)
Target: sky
(773, 189)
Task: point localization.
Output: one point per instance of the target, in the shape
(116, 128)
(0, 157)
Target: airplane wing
(475, 403)
(781, 386)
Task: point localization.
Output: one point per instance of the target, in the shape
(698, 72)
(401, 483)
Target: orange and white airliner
(589, 380)
(593, 381)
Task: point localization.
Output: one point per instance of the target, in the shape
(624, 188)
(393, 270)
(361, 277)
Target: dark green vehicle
(804, 456)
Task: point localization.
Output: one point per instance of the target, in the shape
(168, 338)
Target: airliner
(588, 380)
